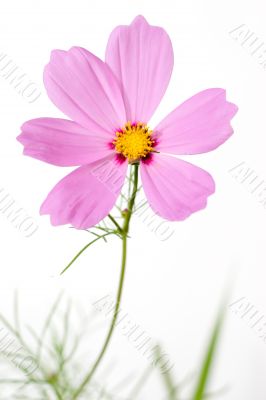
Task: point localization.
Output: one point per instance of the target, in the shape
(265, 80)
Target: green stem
(124, 234)
(114, 222)
(82, 251)
(132, 199)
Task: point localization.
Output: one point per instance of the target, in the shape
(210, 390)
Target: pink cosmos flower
(110, 104)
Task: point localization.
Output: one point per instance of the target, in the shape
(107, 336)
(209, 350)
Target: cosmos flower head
(109, 105)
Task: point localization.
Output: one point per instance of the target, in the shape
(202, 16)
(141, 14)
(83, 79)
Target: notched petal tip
(233, 109)
(19, 138)
(57, 53)
(138, 20)
(42, 210)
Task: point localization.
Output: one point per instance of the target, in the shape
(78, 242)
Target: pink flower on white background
(110, 104)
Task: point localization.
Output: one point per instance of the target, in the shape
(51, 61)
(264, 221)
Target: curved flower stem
(124, 234)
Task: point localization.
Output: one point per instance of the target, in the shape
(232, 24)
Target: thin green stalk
(124, 234)
(167, 378)
(131, 200)
(82, 251)
(200, 390)
(114, 222)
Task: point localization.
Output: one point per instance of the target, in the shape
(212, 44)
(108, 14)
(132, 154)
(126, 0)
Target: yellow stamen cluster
(134, 141)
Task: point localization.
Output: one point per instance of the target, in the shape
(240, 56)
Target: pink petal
(142, 58)
(61, 142)
(175, 188)
(85, 89)
(198, 125)
(85, 197)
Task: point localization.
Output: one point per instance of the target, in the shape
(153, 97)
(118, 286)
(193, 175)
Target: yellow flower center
(134, 141)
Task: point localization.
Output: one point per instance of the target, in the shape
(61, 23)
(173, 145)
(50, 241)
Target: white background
(173, 287)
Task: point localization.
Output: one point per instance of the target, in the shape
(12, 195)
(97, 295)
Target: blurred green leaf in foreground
(47, 365)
